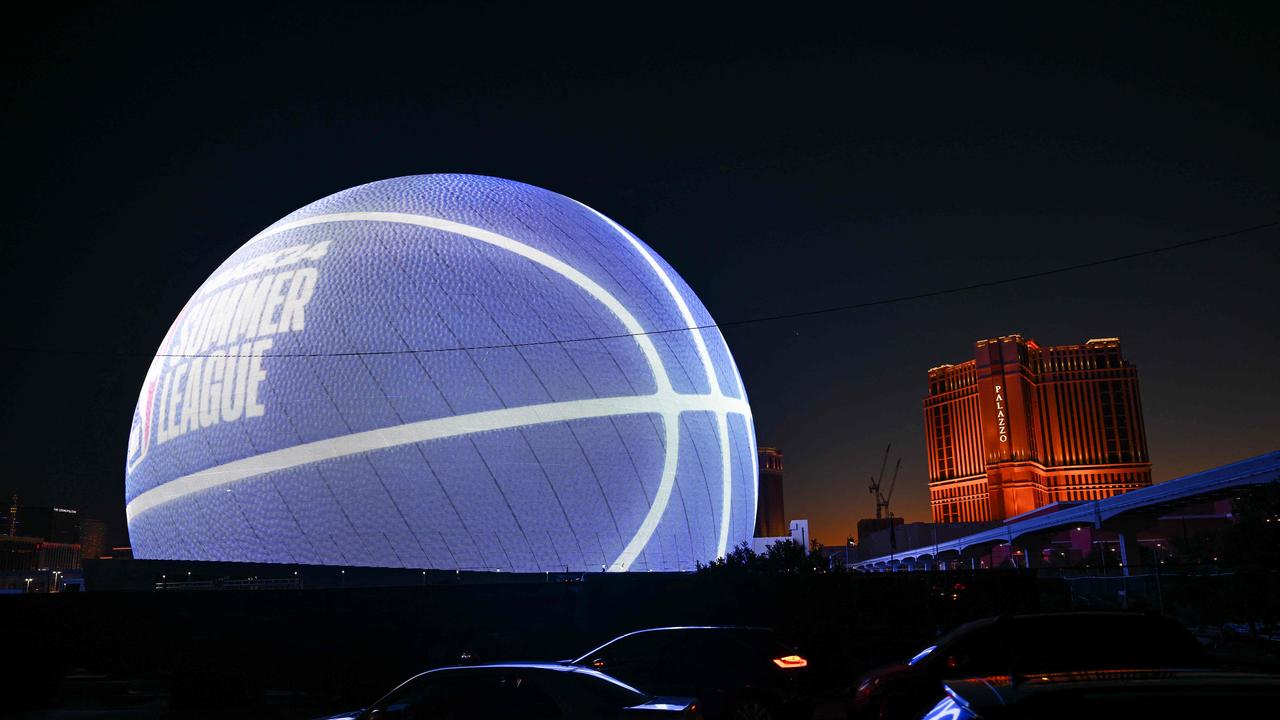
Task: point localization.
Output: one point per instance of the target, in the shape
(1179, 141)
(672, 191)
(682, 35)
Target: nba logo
(140, 431)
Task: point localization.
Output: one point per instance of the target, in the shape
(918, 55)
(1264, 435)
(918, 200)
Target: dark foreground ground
(299, 653)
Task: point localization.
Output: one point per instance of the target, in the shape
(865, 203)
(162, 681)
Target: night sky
(779, 162)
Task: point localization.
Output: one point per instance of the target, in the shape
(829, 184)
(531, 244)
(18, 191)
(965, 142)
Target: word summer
(228, 332)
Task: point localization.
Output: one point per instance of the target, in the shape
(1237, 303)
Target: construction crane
(882, 500)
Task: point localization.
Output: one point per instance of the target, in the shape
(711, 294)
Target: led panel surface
(443, 371)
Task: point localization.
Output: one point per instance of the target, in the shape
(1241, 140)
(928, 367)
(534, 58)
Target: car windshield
(601, 690)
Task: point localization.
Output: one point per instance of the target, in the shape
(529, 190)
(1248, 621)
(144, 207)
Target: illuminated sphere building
(443, 371)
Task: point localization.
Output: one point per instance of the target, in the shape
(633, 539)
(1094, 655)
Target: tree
(785, 557)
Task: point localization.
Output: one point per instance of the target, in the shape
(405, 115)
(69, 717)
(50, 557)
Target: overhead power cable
(1002, 281)
(729, 323)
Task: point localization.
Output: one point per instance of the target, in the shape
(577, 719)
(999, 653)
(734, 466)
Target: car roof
(1088, 613)
(1084, 640)
(732, 628)
(699, 627)
(986, 692)
(965, 629)
(1054, 616)
(729, 628)
(552, 667)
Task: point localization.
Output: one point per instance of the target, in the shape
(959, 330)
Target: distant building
(48, 539)
(120, 552)
(912, 535)
(19, 553)
(770, 515)
(868, 526)
(55, 524)
(59, 556)
(93, 538)
(797, 531)
(1021, 426)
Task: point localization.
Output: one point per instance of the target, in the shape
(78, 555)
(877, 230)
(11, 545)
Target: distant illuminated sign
(1002, 426)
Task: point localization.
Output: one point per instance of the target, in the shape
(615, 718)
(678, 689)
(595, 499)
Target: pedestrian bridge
(1122, 514)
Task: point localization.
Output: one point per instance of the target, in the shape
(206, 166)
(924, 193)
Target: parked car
(1022, 644)
(523, 691)
(743, 673)
(1110, 693)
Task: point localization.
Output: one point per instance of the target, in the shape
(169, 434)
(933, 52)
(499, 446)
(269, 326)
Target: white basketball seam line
(751, 436)
(649, 523)
(713, 380)
(665, 390)
(421, 431)
(550, 262)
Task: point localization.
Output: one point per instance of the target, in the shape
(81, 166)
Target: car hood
(986, 693)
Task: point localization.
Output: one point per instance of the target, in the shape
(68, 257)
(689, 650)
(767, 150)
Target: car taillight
(788, 662)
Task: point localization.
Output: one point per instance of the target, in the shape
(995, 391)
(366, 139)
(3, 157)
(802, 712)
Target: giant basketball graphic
(443, 371)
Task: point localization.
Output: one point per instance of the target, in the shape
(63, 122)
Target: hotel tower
(1021, 426)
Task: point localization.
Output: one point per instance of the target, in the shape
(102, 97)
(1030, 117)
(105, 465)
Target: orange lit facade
(1021, 426)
